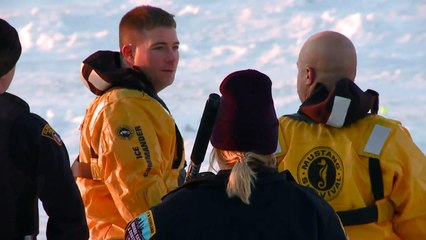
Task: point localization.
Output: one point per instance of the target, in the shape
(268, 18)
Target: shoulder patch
(322, 169)
(50, 133)
(377, 139)
(143, 227)
(125, 132)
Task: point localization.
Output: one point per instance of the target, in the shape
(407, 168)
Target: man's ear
(127, 52)
(310, 76)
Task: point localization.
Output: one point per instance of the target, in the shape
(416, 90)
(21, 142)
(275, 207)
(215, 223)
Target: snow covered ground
(218, 37)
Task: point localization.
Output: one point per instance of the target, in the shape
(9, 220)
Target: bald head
(331, 54)
(325, 57)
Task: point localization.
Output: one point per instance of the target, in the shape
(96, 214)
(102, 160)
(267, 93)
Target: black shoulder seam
(288, 176)
(299, 117)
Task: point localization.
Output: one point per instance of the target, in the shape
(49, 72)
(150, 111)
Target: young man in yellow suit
(131, 151)
(366, 166)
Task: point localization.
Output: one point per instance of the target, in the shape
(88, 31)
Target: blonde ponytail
(242, 177)
(241, 181)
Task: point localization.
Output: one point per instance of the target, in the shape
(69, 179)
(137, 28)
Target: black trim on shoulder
(14, 101)
(200, 179)
(299, 116)
(205, 178)
(288, 176)
(208, 179)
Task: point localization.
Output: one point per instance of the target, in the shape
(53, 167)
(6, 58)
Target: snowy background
(217, 38)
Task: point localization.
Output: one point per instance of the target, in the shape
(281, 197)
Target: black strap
(81, 169)
(287, 175)
(179, 145)
(359, 216)
(92, 153)
(300, 116)
(376, 178)
(367, 214)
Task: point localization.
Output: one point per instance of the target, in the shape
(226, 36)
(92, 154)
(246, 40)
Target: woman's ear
(128, 56)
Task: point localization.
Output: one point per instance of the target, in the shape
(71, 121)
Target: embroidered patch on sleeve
(50, 133)
(143, 227)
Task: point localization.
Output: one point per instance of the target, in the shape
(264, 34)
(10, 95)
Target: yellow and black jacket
(366, 166)
(131, 144)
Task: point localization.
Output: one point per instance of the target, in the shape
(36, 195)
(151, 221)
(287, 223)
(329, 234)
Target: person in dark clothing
(247, 198)
(34, 164)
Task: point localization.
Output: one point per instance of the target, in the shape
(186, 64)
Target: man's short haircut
(144, 18)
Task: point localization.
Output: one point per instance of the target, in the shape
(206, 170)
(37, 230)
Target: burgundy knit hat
(246, 119)
(10, 47)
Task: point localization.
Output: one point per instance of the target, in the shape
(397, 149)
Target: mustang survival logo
(322, 169)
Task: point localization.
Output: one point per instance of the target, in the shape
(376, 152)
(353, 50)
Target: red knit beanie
(10, 47)
(246, 119)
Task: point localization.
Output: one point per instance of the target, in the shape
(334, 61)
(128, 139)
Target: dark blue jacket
(279, 209)
(35, 165)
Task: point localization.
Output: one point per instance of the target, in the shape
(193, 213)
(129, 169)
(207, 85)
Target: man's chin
(165, 83)
(169, 79)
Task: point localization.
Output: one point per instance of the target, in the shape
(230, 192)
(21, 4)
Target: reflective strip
(95, 115)
(94, 79)
(82, 78)
(98, 82)
(377, 139)
(339, 111)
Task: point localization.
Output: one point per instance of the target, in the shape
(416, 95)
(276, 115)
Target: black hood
(343, 105)
(102, 70)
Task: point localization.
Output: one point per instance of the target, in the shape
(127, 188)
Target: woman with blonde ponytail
(242, 177)
(247, 198)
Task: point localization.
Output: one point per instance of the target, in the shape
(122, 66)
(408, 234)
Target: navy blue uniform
(35, 165)
(279, 209)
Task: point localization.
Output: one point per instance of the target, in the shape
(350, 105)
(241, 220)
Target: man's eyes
(164, 47)
(161, 47)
